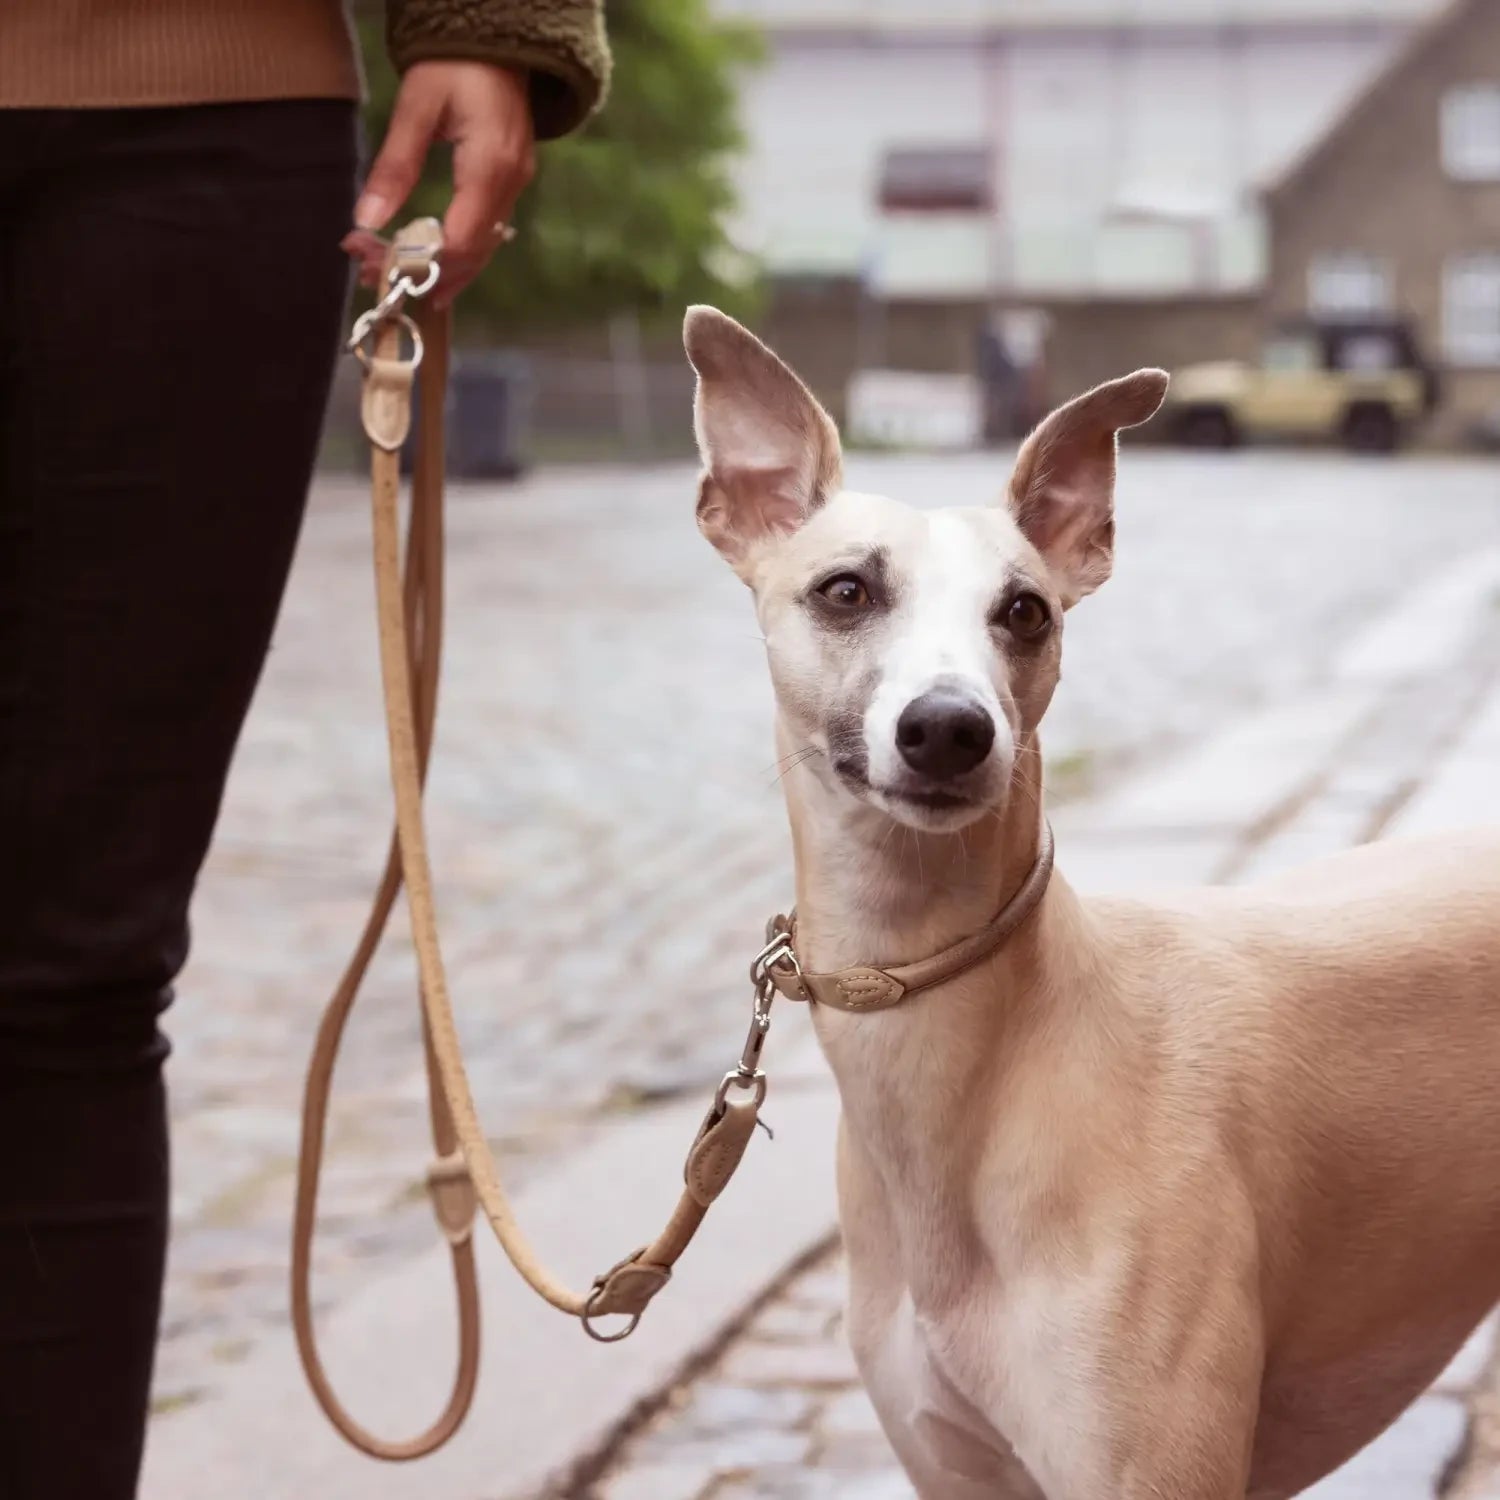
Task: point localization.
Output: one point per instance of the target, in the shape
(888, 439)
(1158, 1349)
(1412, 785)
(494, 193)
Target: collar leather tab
(866, 988)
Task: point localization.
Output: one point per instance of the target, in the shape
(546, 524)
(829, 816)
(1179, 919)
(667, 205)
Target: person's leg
(170, 294)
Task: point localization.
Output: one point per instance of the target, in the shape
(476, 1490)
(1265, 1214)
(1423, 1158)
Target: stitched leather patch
(717, 1152)
(385, 407)
(416, 246)
(865, 989)
(628, 1288)
(454, 1200)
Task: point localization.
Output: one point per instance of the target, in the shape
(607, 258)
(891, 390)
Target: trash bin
(488, 403)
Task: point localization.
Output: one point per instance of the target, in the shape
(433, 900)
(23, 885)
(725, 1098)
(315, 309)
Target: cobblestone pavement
(781, 1416)
(605, 820)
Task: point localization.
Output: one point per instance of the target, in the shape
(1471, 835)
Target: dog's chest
(991, 1390)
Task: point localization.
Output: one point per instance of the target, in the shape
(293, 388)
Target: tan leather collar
(866, 988)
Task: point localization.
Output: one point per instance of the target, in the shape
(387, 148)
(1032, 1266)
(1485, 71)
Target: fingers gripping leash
(399, 339)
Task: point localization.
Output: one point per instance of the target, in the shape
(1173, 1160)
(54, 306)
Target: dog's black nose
(944, 733)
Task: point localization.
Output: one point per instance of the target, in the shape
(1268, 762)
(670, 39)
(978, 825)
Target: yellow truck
(1362, 384)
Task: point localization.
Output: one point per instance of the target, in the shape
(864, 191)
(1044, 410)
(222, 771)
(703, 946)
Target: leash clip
(775, 967)
(365, 325)
(390, 309)
(775, 957)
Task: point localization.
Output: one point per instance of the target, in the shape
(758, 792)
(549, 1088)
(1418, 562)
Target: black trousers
(171, 290)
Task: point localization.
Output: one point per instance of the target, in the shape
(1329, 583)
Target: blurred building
(1395, 209)
(1150, 177)
(951, 148)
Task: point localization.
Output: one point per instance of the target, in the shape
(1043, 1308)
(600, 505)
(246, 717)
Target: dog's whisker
(787, 769)
(799, 754)
(795, 759)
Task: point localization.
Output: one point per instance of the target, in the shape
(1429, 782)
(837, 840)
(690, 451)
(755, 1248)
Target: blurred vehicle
(1363, 384)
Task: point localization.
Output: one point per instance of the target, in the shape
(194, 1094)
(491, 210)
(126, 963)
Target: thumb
(414, 122)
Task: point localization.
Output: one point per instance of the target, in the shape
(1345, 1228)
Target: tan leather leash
(409, 604)
(463, 1173)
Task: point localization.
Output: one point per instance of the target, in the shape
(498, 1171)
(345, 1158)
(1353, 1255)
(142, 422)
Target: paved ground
(606, 823)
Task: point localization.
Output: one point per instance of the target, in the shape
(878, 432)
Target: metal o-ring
(363, 330)
(587, 1315)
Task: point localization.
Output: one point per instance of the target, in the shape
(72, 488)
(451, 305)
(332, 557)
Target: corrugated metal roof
(1024, 15)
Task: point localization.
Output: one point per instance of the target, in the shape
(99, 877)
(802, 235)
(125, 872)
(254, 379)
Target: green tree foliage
(628, 214)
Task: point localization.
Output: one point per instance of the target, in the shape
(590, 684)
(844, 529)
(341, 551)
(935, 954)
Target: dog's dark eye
(1027, 617)
(845, 590)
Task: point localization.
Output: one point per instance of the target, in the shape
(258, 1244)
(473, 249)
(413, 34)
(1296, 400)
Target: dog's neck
(873, 892)
(870, 893)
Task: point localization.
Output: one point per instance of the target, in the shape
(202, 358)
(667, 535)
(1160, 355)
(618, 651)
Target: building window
(1367, 354)
(936, 179)
(1348, 284)
(1471, 132)
(1471, 310)
(1291, 354)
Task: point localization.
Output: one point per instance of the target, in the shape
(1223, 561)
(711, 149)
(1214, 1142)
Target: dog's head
(916, 649)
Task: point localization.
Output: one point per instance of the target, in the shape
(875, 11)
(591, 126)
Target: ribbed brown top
(97, 53)
(82, 54)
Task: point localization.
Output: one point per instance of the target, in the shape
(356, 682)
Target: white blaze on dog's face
(916, 649)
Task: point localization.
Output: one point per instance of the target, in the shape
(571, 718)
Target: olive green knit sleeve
(560, 42)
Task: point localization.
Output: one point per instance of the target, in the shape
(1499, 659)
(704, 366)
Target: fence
(569, 409)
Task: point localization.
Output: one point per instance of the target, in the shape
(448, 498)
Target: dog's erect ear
(1062, 493)
(770, 452)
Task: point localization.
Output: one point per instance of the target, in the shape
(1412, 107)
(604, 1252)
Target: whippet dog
(1181, 1200)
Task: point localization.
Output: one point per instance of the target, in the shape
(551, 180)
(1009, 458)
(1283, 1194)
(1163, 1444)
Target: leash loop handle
(418, 589)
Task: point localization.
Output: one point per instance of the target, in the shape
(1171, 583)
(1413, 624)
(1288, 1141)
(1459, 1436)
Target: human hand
(485, 112)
